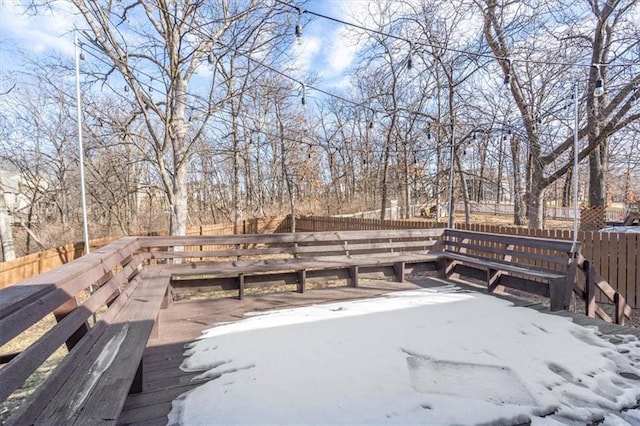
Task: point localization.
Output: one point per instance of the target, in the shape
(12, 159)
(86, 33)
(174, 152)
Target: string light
(210, 58)
(304, 94)
(410, 57)
(440, 47)
(507, 78)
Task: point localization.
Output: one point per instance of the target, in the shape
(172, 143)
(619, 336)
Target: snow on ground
(431, 356)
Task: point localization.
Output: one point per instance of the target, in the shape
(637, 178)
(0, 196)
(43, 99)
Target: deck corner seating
(107, 329)
(542, 266)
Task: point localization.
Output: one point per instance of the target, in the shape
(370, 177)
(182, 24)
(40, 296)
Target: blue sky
(324, 49)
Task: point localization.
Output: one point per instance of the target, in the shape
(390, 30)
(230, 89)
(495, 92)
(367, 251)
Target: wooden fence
(550, 212)
(28, 266)
(34, 264)
(615, 255)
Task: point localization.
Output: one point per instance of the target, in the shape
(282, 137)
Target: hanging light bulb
(299, 27)
(506, 82)
(299, 33)
(410, 57)
(126, 88)
(599, 89)
(304, 94)
(210, 58)
(81, 56)
(475, 137)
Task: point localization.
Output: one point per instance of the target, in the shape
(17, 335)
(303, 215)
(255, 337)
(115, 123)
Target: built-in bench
(243, 261)
(541, 266)
(132, 278)
(105, 333)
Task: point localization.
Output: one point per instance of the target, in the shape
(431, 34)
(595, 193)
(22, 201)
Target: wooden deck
(184, 321)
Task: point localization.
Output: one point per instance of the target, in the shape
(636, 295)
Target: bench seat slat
(503, 266)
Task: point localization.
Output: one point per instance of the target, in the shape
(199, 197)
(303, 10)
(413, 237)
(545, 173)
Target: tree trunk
(597, 170)
(536, 198)
(385, 173)
(518, 214)
(179, 209)
(6, 235)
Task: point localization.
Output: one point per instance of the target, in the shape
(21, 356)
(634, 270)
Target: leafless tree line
(190, 114)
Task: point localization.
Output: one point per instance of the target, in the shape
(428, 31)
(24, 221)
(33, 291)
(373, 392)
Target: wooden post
(619, 302)
(572, 270)
(241, 286)
(493, 278)
(557, 294)
(353, 274)
(399, 268)
(302, 279)
(589, 291)
(62, 312)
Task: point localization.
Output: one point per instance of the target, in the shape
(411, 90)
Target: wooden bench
(542, 266)
(105, 333)
(132, 279)
(243, 261)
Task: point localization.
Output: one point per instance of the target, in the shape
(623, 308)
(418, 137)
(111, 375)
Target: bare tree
(157, 47)
(611, 38)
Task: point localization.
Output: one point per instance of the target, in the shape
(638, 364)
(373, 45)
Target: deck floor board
(182, 322)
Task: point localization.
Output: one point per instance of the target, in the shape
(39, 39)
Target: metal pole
(80, 148)
(575, 165)
(452, 163)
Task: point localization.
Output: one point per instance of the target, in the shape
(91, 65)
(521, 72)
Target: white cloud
(306, 52)
(49, 30)
(341, 52)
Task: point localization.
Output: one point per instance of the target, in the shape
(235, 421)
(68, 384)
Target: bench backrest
(533, 251)
(303, 244)
(62, 293)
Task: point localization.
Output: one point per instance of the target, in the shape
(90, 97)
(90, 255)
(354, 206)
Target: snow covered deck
(432, 354)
